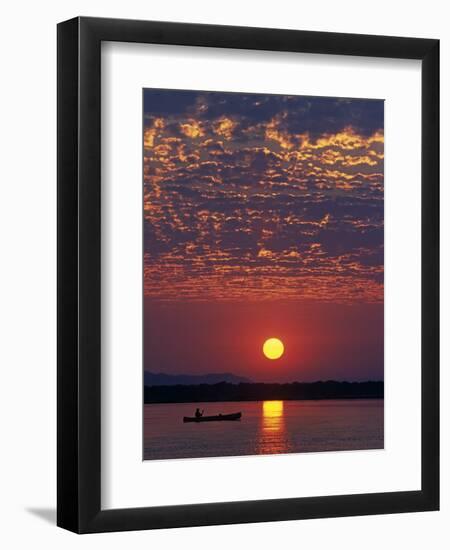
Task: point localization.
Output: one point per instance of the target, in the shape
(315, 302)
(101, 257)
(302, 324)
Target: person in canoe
(198, 414)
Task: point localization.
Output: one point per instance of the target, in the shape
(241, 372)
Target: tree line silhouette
(225, 391)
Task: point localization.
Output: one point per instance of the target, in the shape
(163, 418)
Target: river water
(266, 427)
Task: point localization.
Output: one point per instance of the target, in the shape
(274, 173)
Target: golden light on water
(272, 409)
(273, 438)
(273, 348)
(272, 420)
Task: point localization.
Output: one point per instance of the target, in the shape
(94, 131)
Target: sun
(273, 348)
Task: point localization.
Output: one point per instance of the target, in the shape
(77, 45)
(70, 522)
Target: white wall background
(28, 270)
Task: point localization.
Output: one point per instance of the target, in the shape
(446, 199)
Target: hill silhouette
(161, 379)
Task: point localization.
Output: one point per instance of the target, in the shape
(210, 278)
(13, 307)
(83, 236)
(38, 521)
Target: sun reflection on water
(273, 437)
(273, 415)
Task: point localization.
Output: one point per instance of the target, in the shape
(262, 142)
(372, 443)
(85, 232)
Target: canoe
(217, 417)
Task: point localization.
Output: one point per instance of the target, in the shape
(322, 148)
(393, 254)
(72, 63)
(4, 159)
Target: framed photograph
(248, 289)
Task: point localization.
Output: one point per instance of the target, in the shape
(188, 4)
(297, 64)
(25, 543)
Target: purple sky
(263, 216)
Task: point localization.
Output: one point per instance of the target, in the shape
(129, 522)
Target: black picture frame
(79, 281)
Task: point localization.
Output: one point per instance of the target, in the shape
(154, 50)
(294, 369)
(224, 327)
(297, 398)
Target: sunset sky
(263, 216)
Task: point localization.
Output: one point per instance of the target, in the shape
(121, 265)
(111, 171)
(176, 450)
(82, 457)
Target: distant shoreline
(294, 391)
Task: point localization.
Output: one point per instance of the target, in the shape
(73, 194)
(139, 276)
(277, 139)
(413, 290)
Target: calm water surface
(266, 427)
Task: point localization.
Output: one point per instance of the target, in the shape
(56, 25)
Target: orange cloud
(224, 127)
(192, 129)
(273, 132)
